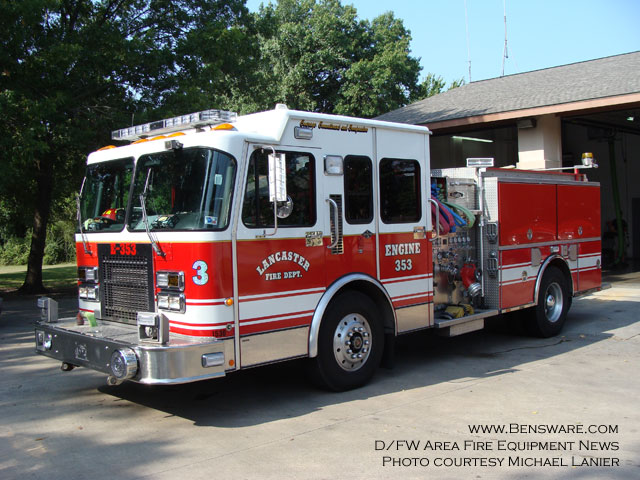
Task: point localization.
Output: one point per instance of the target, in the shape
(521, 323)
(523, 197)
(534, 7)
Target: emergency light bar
(182, 122)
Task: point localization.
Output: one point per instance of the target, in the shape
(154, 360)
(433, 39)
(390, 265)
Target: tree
(216, 61)
(316, 55)
(432, 85)
(70, 70)
(385, 76)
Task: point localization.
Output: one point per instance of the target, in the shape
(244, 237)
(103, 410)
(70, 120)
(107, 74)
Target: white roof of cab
(273, 123)
(265, 127)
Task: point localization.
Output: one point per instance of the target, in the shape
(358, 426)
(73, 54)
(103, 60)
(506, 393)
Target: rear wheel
(548, 316)
(350, 343)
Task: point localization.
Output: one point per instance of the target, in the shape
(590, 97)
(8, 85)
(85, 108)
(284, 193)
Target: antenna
(466, 23)
(505, 52)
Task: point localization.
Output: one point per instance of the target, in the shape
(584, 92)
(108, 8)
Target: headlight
(92, 293)
(124, 364)
(175, 302)
(171, 301)
(170, 280)
(163, 301)
(89, 292)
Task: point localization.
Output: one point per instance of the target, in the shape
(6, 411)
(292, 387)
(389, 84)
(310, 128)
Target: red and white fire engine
(214, 242)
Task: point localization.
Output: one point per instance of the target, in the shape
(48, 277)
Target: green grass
(56, 278)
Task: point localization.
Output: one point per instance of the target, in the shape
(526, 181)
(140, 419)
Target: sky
(540, 33)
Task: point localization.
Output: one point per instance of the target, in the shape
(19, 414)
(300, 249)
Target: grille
(126, 283)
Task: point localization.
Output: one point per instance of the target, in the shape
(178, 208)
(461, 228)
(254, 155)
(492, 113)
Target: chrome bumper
(181, 360)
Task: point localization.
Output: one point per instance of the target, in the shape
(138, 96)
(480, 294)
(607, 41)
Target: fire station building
(547, 119)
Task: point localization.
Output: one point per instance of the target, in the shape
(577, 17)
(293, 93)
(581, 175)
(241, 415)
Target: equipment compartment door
(579, 221)
(527, 213)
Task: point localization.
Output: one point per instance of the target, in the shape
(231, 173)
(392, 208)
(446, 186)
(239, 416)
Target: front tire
(350, 343)
(549, 315)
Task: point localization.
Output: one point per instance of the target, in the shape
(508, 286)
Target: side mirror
(285, 208)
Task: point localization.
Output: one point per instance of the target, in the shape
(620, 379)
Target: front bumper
(181, 360)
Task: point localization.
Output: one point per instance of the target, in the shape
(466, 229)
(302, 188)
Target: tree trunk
(44, 187)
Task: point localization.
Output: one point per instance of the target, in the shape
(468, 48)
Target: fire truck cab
(214, 242)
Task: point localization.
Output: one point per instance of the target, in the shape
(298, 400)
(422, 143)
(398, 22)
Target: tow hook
(113, 381)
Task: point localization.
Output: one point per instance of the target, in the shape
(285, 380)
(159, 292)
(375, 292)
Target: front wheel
(549, 315)
(350, 343)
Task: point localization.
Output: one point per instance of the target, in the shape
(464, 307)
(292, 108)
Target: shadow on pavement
(279, 391)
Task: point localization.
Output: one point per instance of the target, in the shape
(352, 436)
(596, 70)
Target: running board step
(458, 326)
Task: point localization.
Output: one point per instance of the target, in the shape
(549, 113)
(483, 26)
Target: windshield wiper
(145, 219)
(85, 243)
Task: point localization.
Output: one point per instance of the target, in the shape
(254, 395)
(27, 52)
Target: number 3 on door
(201, 276)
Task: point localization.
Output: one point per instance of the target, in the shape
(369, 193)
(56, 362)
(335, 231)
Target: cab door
(280, 269)
(350, 246)
(405, 265)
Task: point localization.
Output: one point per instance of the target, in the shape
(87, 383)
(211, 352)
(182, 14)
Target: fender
(543, 268)
(334, 288)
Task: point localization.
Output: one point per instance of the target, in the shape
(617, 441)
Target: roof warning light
(173, 124)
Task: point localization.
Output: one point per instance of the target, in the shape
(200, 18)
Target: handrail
(334, 205)
(431, 200)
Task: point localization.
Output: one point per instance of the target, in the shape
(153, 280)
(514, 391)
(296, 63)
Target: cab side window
(400, 190)
(257, 210)
(358, 189)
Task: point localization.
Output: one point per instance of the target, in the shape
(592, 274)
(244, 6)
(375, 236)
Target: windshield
(186, 189)
(105, 195)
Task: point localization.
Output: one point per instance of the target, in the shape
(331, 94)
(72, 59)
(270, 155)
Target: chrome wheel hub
(553, 302)
(352, 342)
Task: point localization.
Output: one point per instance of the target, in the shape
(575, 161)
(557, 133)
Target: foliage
(73, 70)
(433, 85)
(215, 60)
(60, 247)
(70, 70)
(318, 56)
(14, 251)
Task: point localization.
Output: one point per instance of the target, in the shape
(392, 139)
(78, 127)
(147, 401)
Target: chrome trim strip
(242, 171)
(275, 346)
(519, 307)
(376, 195)
(413, 317)
(541, 271)
(604, 286)
(461, 320)
(552, 243)
(314, 329)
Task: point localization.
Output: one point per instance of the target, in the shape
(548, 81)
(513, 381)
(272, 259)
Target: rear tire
(548, 317)
(350, 343)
